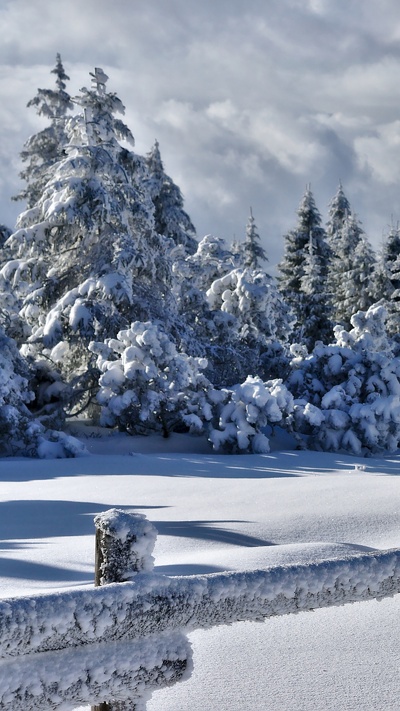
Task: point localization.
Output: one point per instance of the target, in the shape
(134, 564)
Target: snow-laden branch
(155, 603)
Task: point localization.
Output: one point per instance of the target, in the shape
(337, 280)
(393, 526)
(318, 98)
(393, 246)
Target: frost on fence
(124, 546)
(153, 603)
(115, 672)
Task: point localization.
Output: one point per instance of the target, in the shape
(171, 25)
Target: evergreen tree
(211, 260)
(242, 414)
(262, 318)
(20, 433)
(146, 383)
(387, 280)
(306, 254)
(317, 325)
(44, 149)
(87, 259)
(347, 394)
(339, 210)
(170, 219)
(352, 272)
(253, 252)
(5, 233)
(208, 333)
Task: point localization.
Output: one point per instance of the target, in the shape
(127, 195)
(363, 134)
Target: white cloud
(250, 101)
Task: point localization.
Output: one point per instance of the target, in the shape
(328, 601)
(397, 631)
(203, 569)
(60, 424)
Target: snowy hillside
(216, 513)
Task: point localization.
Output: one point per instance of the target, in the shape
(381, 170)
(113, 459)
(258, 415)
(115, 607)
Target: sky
(250, 100)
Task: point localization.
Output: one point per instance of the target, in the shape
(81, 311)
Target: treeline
(111, 308)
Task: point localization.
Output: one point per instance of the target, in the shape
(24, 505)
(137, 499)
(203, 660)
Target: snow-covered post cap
(124, 546)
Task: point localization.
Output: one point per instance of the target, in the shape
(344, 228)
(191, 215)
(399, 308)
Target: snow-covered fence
(151, 609)
(122, 673)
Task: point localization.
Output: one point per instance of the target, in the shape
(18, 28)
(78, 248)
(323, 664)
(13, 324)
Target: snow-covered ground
(215, 513)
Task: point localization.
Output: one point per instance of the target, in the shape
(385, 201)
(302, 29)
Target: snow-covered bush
(347, 394)
(20, 433)
(146, 383)
(245, 411)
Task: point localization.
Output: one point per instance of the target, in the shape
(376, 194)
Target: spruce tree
(347, 394)
(44, 149)
(86, 258)
(207, 333)
(317, 324)
(262, 318)
(170, 219)
(352, 272)
(304, 243)
(339, 209)
(387, 280)
(253, 253)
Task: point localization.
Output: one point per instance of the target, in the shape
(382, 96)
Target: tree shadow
(210, 531)
(49, 519)
(28, 570)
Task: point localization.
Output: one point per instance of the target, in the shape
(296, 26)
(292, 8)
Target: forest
(113, 309)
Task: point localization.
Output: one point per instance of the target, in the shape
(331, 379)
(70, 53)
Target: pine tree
(211, 260)
(387, 280)
(87, 260)
(208, 333)
(20, 433)
(146, 383)
(253, 252)
(352, 272)
(296, 269)
(317, 325)
(170, 219)
(262, 318)
(339, 210)
(44, 149)
(347, 394)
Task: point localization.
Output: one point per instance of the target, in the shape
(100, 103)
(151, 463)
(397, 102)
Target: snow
(217, 513)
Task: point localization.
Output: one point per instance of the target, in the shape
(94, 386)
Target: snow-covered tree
(170, 219)
(262, 317)
(20, 433)
(304, 268)
(211, 260)
(207, 333)
(347, 394)
(44, 149)
(317, 324)
(253, 253)
(351, 278)
(86, 258)
(339, 210)
(5, 232)
(387, 279)
(147, 384)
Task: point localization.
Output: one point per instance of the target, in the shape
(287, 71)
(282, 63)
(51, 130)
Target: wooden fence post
(124, 546)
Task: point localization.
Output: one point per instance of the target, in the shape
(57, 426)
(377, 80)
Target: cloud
(249, 101)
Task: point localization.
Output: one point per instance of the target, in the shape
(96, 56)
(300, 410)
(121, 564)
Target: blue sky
(250, 100)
